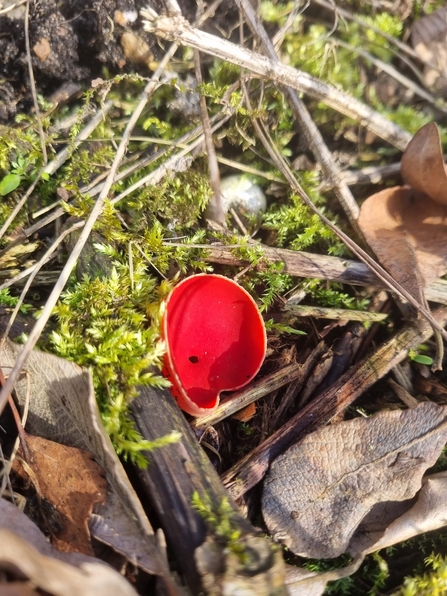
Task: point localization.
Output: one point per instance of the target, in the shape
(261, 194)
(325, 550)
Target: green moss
(432, 583)
(111, 326)
(220, 519)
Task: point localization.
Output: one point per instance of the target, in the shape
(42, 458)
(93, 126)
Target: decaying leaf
(407, 227)
(302, 582)
(57, 578)
(14, 520)
(408, 233)
(69, 479)
(429, 39)
(396, 522)
(318, 492)
(63, 409)
(422, 165)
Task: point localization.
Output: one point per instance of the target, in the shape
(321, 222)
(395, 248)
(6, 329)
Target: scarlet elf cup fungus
(215, 338)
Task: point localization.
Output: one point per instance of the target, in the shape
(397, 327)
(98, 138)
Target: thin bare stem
(179, 30)
(306, 124)
(33, 275)
(33, 85)
(215, 204)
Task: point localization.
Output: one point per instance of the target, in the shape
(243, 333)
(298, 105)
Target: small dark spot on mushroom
(193, 359)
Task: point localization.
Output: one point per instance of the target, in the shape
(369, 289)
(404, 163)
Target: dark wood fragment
(174, 473)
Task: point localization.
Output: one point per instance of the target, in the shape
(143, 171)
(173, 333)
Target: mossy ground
(108, 317)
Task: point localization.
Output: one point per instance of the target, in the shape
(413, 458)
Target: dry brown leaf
(318, 492)
(63, 409)
(246, 413)
(54, 577)
(17, 589)
(408, 233)
(13, 519)
(408, 520)
(70, 480)
(429, 39)
(422, 165)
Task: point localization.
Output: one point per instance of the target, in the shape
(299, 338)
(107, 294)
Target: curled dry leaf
(429, 39)
(408, 233)
(422, 165)
(318, 492)
(14, 520)
(396, 522)
(57, 578)
(407, 227)
(72, 482)
(63, 409)
(302, 582)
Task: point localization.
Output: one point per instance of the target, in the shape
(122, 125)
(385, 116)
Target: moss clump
(111, 326)
(432, 583)
(220, 521)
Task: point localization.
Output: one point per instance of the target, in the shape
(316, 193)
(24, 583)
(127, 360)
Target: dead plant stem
(33, 85)
(306, 124)
(383, 275)
(179, 30)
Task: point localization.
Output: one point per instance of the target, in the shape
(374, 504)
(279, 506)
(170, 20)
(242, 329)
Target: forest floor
(296, 150)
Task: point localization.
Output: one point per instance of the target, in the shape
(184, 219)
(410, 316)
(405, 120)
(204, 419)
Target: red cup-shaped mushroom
(215, 338)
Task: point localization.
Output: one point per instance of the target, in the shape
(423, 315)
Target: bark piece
(317, 493)
(173, 475)
(70, 480)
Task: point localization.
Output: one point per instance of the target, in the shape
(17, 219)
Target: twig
(304, 264)
(215, 203)
(179, 30)
(338, 314)
(368, 175)
(306, 124)
(252, 468)
(259, 388)
(33, 85)
(403, 394)
(83, 237)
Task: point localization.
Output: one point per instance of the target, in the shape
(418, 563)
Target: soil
(72, 42)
